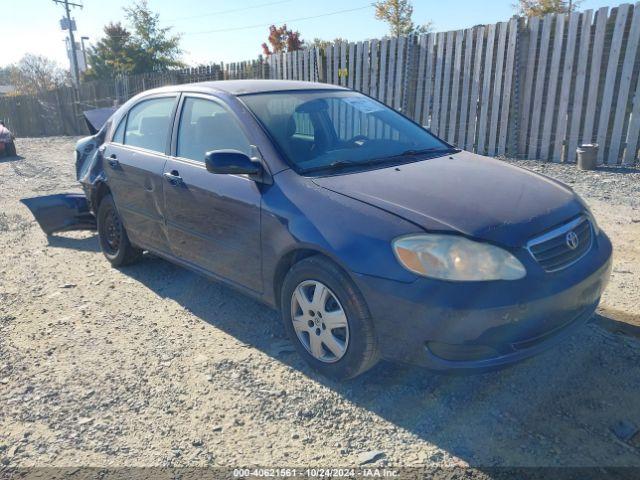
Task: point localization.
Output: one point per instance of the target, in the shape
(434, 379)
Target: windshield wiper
(332, 166)
(338, 164)
(414, 152)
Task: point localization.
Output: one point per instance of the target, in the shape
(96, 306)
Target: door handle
(113, 161)
(173, 177)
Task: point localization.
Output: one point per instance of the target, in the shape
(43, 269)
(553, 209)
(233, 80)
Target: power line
(223, 12)
(263, 25)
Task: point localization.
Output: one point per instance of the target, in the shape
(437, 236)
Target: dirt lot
(154, 365)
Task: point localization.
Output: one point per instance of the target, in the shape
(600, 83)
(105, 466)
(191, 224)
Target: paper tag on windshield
(363, 104)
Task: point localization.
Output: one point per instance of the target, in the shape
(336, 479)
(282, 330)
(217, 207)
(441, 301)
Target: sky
(233, 30)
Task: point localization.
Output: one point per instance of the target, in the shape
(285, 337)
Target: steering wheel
(358, 140)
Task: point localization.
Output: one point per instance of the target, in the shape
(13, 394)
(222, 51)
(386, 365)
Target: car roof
(244, 87)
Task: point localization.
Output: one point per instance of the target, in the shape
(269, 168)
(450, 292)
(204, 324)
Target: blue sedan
(373, 237)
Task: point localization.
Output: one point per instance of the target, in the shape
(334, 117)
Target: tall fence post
(515, 142)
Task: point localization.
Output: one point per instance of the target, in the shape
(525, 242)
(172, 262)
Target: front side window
(322, 129)
(148, 124)
(205, 126)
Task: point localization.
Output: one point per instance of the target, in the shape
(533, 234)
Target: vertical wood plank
(486, 89)
(382, 83)
(357, 81)
(508, 85)
(554, 73)
(366, 67)
(575, 114)
(446, 86)
(497, 89)
(475, 90)
(319, 73)
(422, 57)
(399, 74)
(541, 76)
(533, 27)
(624, 87)
(633, 132)
(455, 87)
(329, 62)
(391, 70)
(610, 79)
(352, 65)
(344, 67)
(594, 75)
(565, 91)
(435, 118)
(336, 63)
(428, 81)
(466, 81)
(374, 47)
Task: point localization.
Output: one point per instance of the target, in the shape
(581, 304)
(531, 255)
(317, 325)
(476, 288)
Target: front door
(213, 221)
(134, 164)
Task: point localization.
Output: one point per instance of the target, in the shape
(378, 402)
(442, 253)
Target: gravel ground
(151, 365)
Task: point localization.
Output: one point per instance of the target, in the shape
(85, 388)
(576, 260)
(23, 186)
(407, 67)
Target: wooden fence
(534, 88)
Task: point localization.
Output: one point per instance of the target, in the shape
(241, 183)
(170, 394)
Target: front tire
(327, 319)
(114, 240)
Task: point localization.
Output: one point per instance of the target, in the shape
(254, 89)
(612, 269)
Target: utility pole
(72, 40)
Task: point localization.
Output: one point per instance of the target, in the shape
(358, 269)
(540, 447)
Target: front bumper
(482, 325)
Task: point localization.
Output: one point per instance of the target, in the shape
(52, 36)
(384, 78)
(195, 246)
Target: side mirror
(231, 162)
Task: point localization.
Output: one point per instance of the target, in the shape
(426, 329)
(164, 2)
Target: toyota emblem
(572, 240)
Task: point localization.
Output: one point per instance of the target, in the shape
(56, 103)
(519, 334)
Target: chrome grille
(553, 250)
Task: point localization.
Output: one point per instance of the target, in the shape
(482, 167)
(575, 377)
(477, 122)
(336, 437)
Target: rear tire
(114, 240)
(335, 333)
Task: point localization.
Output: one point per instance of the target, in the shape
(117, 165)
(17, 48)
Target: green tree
(282, 39)
(114, 54)
(144, 47)
(155, 48)
(398, 15)
(319, 43)
(35, 74)
(538, 8)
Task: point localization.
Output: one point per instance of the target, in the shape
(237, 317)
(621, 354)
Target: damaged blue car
(374, 238)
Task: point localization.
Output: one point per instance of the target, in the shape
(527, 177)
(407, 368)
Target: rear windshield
(318, 128)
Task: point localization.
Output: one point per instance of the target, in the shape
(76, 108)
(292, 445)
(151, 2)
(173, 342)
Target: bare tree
(36, 73)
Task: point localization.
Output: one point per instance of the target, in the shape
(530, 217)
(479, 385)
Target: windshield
(321, 129)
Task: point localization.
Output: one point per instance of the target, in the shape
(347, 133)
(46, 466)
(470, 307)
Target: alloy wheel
(319, 321)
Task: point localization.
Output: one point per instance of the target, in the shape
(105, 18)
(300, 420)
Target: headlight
(450, 257)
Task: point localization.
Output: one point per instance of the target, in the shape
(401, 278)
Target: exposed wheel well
(285, 264)
(100, 191)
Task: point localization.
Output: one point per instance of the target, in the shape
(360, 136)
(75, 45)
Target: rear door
(213, 221)
(134, 163)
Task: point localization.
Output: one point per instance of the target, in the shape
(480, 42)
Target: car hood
(477, 196)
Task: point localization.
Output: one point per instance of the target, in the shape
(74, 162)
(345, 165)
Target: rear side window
(206, 126)
(148, 124)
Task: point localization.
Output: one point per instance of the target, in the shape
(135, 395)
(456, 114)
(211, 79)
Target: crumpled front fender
(61, 212)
